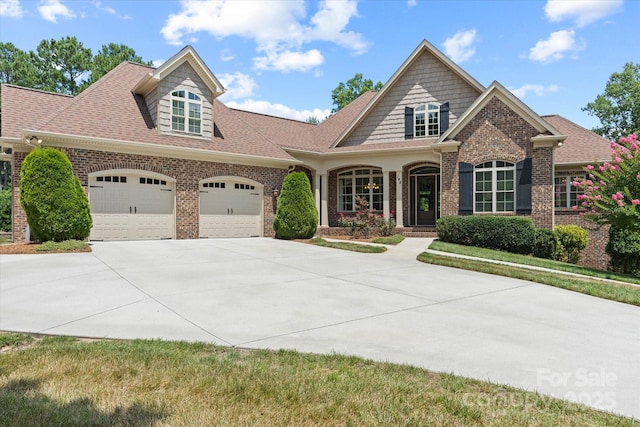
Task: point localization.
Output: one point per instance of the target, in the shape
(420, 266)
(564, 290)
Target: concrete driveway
(265, 293)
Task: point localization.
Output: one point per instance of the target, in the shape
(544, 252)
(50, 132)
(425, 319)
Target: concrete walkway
(265, 293)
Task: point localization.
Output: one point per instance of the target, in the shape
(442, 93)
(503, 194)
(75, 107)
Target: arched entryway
(424, 195)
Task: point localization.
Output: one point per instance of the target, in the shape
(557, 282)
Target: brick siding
(187, 173)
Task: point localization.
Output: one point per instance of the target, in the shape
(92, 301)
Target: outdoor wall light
(32, 139)
(276, 192)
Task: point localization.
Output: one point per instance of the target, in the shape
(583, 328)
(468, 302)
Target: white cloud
(280, 29)
(278, 110)
(459, 47)
(412, 3)
(537, 90)
(238, 85)
(555, 47)
(289, 61)
(99, 6)
(52, 9)
(11, 8)
(582, 12)
(226, 55)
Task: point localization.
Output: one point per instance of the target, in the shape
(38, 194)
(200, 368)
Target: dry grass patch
(26, 248)
(62, 381)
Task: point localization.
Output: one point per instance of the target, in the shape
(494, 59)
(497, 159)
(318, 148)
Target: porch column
(316, 193)
(323, 181)
(385, 194)
(399, 191)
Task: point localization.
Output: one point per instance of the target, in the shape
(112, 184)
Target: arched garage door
(230, 207)
(131, 205)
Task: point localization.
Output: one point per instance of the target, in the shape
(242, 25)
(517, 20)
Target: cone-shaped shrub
(52, 197)
(296, 215)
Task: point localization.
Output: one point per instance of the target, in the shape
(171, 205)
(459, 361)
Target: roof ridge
(269, 115)
(571, 122)
(45, 92)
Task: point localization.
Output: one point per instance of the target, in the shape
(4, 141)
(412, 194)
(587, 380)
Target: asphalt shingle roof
(581, 146)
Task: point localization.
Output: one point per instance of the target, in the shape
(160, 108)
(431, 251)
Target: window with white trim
(494, 184)
(426, 119)
(186, 112)
(565, 194)
(366, 183)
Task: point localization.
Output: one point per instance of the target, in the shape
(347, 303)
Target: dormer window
(186, 112)
(427, 120)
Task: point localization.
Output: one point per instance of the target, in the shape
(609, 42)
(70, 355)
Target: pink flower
(620, 203)
(598, 197)
(618, 159)
(589, 167)
(574, 207)
(635, 202)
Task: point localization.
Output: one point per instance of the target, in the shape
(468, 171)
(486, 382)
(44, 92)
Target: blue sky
(285, 57)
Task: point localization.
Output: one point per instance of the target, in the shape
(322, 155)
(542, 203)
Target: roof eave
(145, 148)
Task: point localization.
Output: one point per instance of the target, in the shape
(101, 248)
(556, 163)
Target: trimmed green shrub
(547, 245)
(624, 249)
(296, 215)
(573, 239)
(506, 233)
(53, 199)
(5, 209)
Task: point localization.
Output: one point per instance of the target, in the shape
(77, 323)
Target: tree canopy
(344, 93)
(618, 108)
(63, 66)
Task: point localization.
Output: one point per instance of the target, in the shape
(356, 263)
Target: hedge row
(514, 234)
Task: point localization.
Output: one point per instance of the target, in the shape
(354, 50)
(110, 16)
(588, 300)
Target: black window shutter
(408, 123)
(444, 117)
(523, 186)
(465, 197)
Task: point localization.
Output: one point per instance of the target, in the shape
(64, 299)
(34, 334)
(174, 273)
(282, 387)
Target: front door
(424, 200)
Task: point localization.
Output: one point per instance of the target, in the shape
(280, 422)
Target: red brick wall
(187, 173)
(594, 255)
(498, 133)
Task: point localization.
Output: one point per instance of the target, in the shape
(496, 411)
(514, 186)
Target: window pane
(194, 111)
(177, 123)
(178, 93)
(194, 96)
(178, 108)
(194, 126)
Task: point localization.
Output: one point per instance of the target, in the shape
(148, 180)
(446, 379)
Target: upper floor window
(427, 120)
(186, 111)
(365, 183)
(494, 184)
(565, 194)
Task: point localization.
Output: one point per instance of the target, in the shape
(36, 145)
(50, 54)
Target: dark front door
(424, 207)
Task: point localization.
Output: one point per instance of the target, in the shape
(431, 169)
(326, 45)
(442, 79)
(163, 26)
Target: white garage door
(129, 205)
(230, 208)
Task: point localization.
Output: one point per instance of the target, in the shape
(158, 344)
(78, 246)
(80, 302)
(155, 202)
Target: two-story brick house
(161, 157)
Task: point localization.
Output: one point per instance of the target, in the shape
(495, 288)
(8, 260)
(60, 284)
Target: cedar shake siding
(426, 80)
(184, 78)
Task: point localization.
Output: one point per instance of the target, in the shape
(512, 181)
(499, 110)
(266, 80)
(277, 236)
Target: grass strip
(348, 246)
(67, 245)
(62, 381)
(530, 260)
(614, 292)
(389, 240)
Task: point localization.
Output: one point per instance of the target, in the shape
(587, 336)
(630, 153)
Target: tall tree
(63, 63)
(17, 66)
(618, 108)
(110, 56)
(344, 93)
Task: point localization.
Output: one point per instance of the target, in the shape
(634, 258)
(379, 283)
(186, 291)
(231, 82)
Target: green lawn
(349, 246)
(63, 381)
(389, 240)
(529, 260)
(67, 245)
(627, 294)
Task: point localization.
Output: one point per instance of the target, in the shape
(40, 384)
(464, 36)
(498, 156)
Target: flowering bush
(366, 222)
(612, 190)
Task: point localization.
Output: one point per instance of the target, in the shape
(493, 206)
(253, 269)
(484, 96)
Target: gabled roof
(581, 147)
(503, 94)
(108, 111)
(422, 47)
(186, 54)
